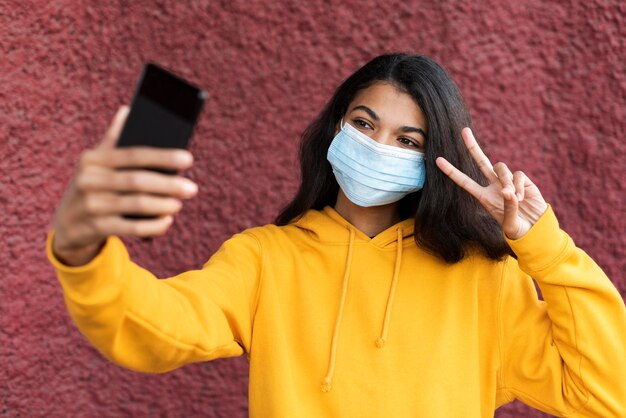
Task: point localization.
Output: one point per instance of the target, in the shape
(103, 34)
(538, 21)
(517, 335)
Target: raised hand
(110, 182)
(511, 198)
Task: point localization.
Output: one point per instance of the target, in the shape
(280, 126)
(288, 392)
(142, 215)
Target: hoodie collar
(330, 227)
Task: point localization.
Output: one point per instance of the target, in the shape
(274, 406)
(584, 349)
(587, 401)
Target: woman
(383, 290)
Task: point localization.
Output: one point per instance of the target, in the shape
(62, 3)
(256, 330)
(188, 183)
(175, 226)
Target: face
(388, 116)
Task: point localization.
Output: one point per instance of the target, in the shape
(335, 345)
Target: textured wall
(545, 81)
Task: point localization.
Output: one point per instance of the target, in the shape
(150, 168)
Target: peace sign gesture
(511, 198)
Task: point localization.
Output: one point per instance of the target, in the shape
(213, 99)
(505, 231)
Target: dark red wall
(545, 81)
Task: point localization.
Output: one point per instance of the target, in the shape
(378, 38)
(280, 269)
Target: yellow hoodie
(336, 324)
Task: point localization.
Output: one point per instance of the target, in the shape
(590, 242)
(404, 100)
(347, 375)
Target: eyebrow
(374, 116)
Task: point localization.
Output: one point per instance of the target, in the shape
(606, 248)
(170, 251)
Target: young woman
(396, 283)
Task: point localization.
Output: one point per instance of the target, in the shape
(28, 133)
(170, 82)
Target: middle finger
(478, 155)
(139, 157)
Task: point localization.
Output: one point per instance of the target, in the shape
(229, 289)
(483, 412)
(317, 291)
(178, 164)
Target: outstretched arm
(152, 325)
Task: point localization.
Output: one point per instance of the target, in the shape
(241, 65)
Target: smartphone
(163, 113)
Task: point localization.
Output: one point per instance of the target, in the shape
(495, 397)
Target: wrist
(76, 256)
(539, 211)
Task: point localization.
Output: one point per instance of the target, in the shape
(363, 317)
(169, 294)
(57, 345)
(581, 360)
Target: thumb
(115, 129)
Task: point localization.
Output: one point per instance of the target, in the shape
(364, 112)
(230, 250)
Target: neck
(372, 220)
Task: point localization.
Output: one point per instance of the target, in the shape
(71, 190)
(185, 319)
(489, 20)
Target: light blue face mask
(373, 174)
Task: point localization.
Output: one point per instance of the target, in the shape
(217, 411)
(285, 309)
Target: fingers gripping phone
(163, 113)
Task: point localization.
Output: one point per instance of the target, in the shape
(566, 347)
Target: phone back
(164, 111)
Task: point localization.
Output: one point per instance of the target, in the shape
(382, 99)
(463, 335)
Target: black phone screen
(163, 112)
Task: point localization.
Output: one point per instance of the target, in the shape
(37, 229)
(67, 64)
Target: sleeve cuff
(86, 283)
(543, 246)
(62, 267)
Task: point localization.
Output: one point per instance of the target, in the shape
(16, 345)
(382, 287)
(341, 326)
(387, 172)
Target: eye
(362, 124)
(409, 142)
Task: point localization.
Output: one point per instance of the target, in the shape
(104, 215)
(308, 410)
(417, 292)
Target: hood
(329, 226)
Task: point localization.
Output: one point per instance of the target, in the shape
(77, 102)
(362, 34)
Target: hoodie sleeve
(152, 325)
(567, 355)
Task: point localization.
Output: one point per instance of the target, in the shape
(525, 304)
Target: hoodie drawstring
(327, 382)
(380, 341)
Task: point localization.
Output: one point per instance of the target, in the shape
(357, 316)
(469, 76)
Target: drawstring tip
(380, 343)
(326, 386)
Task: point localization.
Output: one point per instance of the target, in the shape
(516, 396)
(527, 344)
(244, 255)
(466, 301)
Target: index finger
(460, 178)
(478, 155)
(139, 157)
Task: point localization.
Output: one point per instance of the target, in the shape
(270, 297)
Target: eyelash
(412, 142)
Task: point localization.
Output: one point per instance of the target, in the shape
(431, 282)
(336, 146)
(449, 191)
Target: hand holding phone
(100, 192)
(112, 180)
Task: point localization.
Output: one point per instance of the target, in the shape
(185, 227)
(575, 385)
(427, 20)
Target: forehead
(391, 104)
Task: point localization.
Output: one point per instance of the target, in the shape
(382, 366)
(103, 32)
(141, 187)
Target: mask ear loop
(341, 125)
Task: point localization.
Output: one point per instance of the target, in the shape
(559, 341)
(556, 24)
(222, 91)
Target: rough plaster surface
(545, 81)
